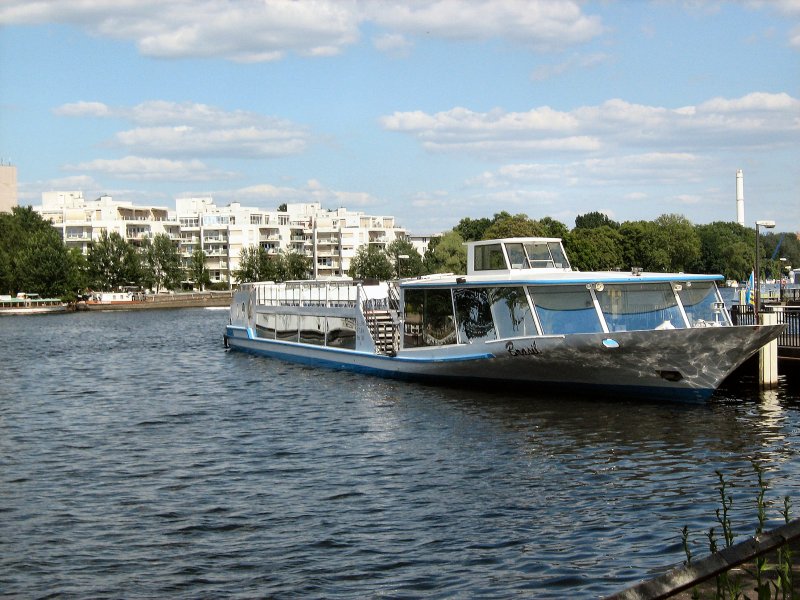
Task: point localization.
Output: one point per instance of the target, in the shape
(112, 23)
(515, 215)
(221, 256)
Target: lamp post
(757, 277)
(780, 277)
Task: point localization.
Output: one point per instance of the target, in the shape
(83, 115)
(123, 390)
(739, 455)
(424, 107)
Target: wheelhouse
(523, 287)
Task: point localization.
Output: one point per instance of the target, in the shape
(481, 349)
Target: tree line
(670, 243)
(33, 257)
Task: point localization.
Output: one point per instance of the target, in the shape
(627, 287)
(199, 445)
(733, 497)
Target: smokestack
(740, 197)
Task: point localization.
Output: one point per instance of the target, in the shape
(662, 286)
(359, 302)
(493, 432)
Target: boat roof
(525, 277)
(536, 261)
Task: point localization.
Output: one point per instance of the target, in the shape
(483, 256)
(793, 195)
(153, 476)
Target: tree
(33, 257)
(780, 245)
(42, 264)
(727, 248)
(506, 226)
(162, 262)
(255, 264)
(553, 228)
(113, 263)
(197, 271)
(447, 254)
(371, 262)
(295, 265)
(681, 241)
(641, 246)
(596, 249)
(594, 219)
(78, 277)
(472, 230)
(411, 266)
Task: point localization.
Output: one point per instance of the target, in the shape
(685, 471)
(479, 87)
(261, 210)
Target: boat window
(702, 303)
(539, 255)
(516, 256)
(341, 333)
(286, 328)
(312, 330)
(512, 312)
(474, 315)
(489, 258)
(265, 326)
(428, 318)
(559, 258)
(565, 309)
(640, 306)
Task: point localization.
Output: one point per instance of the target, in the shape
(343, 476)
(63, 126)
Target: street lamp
(780, 277)
(757, 277)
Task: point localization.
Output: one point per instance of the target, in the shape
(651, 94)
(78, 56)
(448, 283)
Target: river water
(139, 459)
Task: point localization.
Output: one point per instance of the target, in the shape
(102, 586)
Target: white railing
(307, 293)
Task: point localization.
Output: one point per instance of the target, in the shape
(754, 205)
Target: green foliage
(593, 220)
(595, 249)
(257, 264)
(32, 256)
(681, 241)
(294, 266)
(197, 271)
(113, 263)
(405, 267)
(447, 254)
(162, 263)
(553, 228)
(764, 577)
(507, 226)
(726, 248)
(472, 230)
(668, 244)
(371, 262)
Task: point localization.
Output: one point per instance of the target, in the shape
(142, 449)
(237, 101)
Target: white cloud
(312, 191)
(758, 119)
(150, 169)
(392, 43)
(269, 30)
(190, 129)
(575, 62)
(543, 25)
(83, 109)
(634, 169)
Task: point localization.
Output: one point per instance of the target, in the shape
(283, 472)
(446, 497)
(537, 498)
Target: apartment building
(83, 221)
(330, 238)
(8, 186)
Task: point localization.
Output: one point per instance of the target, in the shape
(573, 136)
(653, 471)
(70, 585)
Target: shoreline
(188, 300)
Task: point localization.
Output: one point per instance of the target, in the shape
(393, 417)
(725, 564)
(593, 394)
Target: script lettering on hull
(531, 350)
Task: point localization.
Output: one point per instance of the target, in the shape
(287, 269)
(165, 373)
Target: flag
(748, 292)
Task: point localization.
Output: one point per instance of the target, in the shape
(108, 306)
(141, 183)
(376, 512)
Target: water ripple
(139, 459)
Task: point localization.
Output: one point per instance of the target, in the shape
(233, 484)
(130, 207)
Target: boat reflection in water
(520, 316)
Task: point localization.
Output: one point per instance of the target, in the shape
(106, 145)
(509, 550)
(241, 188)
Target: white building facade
(329, 238)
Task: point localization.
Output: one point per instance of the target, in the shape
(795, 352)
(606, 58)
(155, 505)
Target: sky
(428, 111)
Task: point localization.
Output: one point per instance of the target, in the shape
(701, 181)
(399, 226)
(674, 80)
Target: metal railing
(742, 314)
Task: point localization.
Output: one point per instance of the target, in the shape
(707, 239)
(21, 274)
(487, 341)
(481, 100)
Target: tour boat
(30, 304)
(520, 316)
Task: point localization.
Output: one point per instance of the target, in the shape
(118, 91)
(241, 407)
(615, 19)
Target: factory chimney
(740, 197)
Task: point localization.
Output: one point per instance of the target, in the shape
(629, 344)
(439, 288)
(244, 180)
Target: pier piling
(768, 355)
